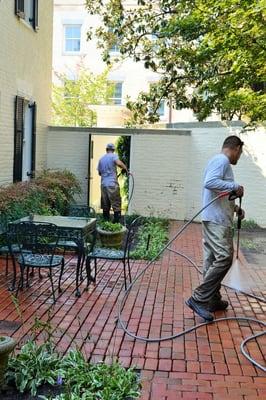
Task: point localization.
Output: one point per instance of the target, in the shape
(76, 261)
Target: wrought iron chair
(37, 249)
(76, 211)
(122, 254)
(4, 247)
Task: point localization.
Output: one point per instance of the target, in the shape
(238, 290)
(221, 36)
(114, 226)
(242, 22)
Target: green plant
(33, 366)
(151, 238)
(247, 224)
(249, 244)
(95, 381)
(110, 226)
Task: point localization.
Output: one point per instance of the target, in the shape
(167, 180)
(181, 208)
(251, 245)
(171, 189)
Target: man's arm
(120, 164)
(214, 179)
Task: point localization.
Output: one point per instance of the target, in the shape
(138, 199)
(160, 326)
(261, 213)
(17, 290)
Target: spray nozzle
(233, 195)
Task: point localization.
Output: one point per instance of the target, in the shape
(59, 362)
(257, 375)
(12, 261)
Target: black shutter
(19, 8)
(33, 139)
(18, 138)
(35, 15)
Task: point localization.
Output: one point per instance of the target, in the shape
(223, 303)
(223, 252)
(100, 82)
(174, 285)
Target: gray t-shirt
(107, 169)
(218, 177)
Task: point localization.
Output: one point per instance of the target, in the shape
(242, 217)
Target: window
(24, 139)
(161, 109)
(72, 38)
(28, 11)
(115, 47)
(117, 94)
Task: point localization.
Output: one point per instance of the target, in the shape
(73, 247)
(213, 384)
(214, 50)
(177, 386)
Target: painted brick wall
(25, 70)
(168, 169)
(159, 166)
(69, 150)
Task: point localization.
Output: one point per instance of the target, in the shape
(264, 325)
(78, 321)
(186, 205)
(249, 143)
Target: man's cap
(110, 146)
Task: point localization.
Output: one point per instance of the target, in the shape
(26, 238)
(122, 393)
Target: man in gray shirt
(217, 221)
(110, 190)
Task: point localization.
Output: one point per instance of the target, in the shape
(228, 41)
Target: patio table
(76, 229)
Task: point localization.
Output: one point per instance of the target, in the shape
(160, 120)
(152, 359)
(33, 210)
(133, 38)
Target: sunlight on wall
(255, 147)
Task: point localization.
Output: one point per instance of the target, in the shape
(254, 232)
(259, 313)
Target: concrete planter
(7, 344)
(111, 239)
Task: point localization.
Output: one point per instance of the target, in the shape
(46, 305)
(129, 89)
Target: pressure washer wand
(239, 213)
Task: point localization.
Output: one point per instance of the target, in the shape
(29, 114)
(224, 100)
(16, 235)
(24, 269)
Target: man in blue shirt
(217, 221)
(110, 190)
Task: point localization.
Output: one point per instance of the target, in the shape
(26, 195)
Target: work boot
(117, 217)
(199, 308)
(106, 215)
(218, 305)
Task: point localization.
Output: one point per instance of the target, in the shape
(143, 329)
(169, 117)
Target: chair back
(132, 235)
(81, 211)
(33, 237)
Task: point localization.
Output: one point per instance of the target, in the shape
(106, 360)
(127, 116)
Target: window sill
(27, 24)
(72, 53)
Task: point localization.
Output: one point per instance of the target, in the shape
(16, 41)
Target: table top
(61, 221)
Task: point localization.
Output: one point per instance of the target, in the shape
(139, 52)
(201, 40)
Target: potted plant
(111, 234)
(7, 344)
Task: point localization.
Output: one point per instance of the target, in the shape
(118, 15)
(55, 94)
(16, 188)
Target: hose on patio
(186, 331)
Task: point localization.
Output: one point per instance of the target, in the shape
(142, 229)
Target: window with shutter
(18, 139)
(19, 8)
(28, 11)
(33, 140)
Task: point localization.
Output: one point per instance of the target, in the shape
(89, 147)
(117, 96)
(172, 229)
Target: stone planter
(111, 239)
(7, 344)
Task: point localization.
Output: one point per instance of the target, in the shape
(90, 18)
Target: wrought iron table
(76, 229)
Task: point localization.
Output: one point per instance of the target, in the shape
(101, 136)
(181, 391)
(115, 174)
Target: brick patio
(205, 364)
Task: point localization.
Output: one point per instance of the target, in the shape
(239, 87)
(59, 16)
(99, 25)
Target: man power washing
(110, 190)
(217, 221)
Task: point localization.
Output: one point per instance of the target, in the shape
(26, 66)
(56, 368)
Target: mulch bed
(11, 393)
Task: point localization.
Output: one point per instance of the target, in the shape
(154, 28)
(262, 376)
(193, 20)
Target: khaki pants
(218, 254)
(110, 197)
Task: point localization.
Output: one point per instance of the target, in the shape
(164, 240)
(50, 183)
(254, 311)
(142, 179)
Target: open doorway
(98, 148)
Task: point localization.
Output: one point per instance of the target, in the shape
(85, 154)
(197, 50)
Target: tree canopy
(210, 54)
(72, 98)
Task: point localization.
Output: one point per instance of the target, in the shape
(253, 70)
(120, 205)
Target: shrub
(49, 193)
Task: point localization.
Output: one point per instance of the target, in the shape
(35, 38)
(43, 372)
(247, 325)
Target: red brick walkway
(205, 364)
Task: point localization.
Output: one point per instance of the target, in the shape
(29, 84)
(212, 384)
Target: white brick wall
(25, 70)
(159, 168)
(168, 168)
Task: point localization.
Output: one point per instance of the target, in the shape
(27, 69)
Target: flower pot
(112, 239)
(7, 344)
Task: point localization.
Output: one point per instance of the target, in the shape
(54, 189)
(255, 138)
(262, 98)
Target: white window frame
(162, 104)
(114, 98)
(65, 26)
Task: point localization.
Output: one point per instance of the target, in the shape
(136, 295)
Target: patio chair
(82, 211)
(122, 255)
(4, 248)
(37, 249)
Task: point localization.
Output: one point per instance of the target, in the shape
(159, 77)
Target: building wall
(25, 70)
(168, 168)
(134, 76)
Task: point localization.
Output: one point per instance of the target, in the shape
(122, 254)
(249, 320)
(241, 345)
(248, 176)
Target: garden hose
(182, 333)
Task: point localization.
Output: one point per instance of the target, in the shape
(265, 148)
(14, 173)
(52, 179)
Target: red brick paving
(204, 364)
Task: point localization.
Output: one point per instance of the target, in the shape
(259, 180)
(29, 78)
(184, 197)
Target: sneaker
(199, 309)
(219, 305)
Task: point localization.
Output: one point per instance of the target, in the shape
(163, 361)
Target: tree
(210, 54)
(72, 99)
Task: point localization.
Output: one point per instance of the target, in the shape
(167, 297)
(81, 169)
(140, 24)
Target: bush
(152, 236)
(50, 193)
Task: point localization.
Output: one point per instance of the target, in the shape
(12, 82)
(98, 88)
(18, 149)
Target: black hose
(124, 298)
